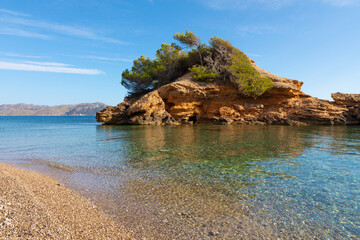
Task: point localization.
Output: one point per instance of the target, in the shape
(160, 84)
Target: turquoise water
(201, 182)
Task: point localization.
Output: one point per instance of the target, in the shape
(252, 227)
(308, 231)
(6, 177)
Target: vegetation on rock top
(219, 61)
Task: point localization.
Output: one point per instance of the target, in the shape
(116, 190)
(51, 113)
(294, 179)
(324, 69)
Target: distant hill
(22, 109)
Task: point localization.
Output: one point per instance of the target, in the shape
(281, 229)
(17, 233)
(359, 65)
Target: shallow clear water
(202, 181)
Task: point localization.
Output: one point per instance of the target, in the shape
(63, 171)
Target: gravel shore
(34, 206)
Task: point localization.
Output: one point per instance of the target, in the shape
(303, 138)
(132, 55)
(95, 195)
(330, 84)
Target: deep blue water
(188, 181)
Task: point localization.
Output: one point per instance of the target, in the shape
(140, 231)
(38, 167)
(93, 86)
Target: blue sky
(73, 51)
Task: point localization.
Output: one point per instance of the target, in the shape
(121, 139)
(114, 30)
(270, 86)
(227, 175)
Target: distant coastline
(22, 109)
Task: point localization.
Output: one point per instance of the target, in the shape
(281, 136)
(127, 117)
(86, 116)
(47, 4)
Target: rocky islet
(190, 101)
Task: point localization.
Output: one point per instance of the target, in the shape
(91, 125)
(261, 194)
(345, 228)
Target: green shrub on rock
(200, 73)
(247, 79)
(234, 65)
(218, 61)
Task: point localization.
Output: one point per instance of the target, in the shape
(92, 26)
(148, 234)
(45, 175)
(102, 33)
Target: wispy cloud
(11, 31)
(53, 64)
(243, 4)
(247, 30)
(47, 67)
(343, 3)
(18, 55)
(253, 55)
(274, 4)
(12, 25)
(14, 13)
(109, 59)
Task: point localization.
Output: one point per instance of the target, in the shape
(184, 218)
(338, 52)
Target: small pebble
(213, 233)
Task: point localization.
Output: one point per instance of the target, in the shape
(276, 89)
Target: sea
(200, 181)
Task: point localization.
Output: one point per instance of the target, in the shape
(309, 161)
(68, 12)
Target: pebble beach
(34, 206)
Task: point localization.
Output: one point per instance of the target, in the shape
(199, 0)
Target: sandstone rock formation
(189, 101)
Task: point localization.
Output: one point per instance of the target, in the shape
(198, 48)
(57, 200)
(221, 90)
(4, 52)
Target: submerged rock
(189, 101)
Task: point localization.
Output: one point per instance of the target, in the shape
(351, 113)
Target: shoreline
(34, 206)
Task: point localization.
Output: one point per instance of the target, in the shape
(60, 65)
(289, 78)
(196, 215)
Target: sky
(74, 51)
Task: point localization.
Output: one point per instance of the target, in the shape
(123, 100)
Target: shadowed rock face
(189, 101)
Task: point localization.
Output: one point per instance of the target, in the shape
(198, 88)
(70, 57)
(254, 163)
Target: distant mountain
(22, 109)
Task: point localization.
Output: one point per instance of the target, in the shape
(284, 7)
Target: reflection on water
(230, 155)
(286, 178)
(204, 181)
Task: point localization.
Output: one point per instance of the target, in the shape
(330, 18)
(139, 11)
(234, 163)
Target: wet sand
(34, 206)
